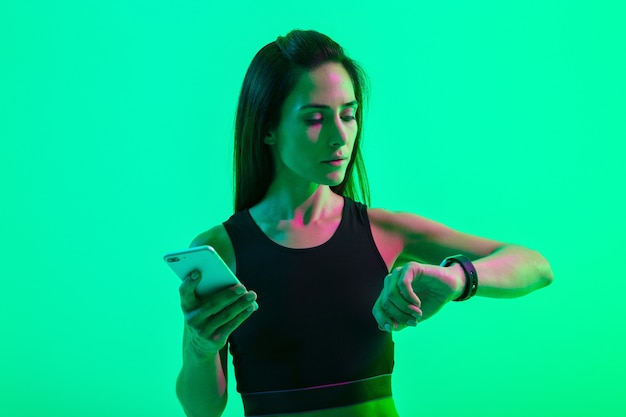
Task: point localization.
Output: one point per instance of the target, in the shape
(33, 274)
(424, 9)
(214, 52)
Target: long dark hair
(272, 75)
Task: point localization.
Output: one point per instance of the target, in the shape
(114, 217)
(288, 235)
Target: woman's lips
(335, 162)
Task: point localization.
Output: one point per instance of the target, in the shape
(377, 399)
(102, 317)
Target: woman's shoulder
(212, 237)
(218, 238)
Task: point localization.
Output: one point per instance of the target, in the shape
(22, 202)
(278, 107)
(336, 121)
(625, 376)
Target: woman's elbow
(544, 270)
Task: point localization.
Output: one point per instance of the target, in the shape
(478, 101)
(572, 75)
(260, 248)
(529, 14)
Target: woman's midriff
(384, 407)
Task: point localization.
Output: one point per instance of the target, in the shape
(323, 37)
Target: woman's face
(314, 139)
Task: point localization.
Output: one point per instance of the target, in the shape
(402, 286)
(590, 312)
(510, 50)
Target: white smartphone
(216, 275)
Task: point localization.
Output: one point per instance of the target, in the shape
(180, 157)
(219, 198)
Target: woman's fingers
(187, 290)
(398, 306)
(409, 273)
(221, 334)
(213, 318)
(400, 299)
(218, 327)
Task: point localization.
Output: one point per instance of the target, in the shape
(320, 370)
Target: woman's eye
(313, 122)
(319, 120)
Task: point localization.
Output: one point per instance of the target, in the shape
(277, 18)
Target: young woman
(332, 278)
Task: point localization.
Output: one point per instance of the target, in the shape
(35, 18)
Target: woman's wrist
(200, 347)
(457, 279)
(469, 272)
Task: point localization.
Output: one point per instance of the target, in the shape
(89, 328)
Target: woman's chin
(335, 181)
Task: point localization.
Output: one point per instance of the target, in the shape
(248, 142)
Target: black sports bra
(313, 343)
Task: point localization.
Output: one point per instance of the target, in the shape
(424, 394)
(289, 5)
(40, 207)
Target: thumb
(410, 275)
(187, 289)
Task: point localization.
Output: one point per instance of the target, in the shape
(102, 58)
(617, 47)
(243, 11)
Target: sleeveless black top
(313, 343)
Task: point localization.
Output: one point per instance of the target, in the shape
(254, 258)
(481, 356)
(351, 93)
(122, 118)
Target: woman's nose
(338, 136)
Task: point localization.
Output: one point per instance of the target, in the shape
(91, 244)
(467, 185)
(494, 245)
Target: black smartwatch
(471, 276)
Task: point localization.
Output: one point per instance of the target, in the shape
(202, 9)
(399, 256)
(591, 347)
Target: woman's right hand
(210, 320)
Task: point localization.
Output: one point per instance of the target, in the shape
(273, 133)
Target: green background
(503, 119)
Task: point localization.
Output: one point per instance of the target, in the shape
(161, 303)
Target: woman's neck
(304, 204)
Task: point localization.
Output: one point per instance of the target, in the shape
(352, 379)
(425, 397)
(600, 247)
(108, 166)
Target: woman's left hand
(414, 293)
